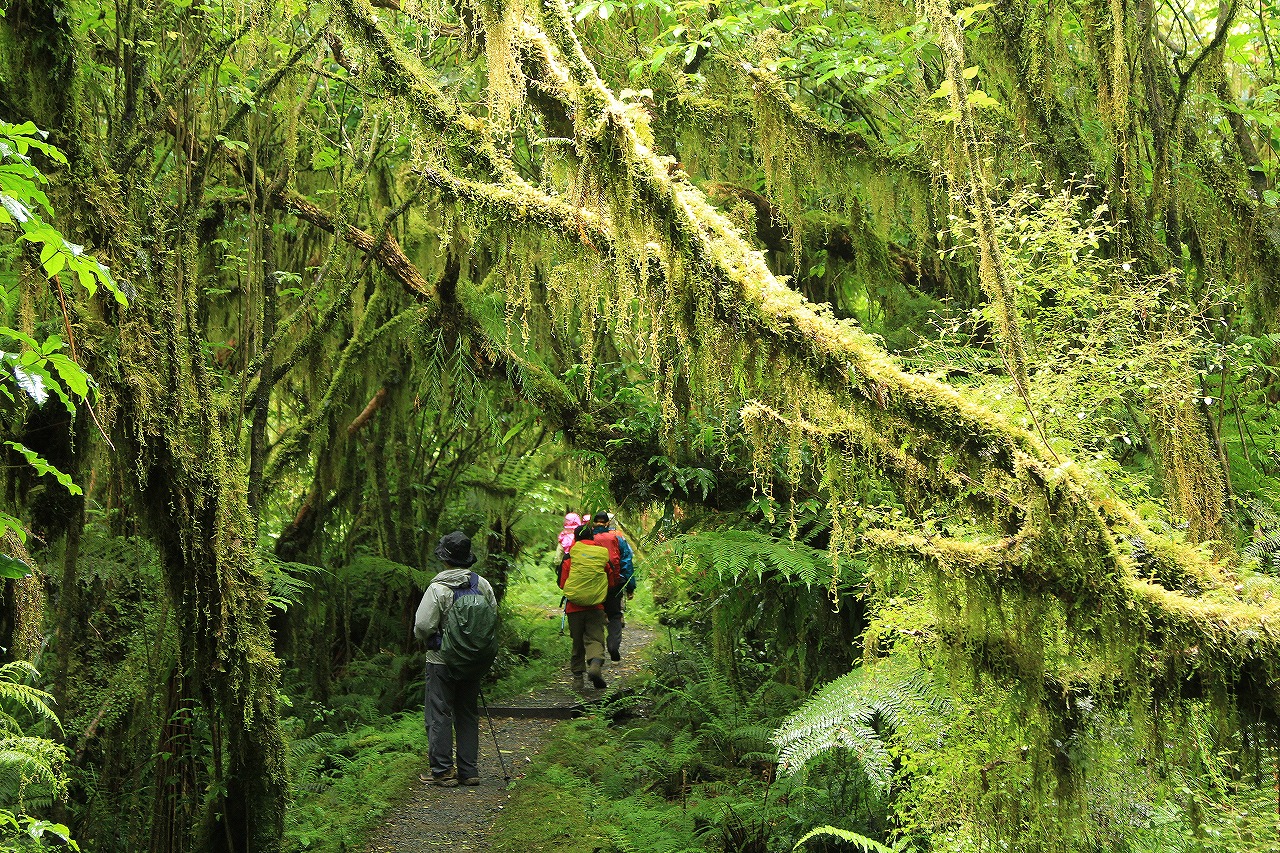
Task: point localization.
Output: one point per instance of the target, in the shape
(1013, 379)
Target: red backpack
(609, 540)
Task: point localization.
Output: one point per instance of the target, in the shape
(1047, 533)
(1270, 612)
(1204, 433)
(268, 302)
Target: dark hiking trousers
(451, 706)
(615, 605)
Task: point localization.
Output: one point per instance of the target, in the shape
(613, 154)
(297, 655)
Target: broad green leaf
(12, 568)
(55, 264)
(20, 336)
(982, 100)
(71, 373)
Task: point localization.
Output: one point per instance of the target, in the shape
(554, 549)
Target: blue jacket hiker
(452, 703)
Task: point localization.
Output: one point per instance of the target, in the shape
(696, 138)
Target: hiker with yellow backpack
(586, 574)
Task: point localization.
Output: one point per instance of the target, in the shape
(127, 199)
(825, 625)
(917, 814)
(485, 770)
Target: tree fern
(858, 712)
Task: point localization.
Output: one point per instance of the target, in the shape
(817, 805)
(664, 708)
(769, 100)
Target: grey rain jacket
(437, 600)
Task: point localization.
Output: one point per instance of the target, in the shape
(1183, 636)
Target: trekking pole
(562, 616)
(505, 776)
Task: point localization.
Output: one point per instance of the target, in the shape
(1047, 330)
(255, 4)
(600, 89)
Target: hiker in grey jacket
(450, 705)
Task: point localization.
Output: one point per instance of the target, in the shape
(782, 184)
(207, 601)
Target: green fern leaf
(847, 836)
(858, 713)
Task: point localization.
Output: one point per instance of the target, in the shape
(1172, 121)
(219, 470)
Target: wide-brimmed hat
(455, 549)
(571, 521)
(602, 517)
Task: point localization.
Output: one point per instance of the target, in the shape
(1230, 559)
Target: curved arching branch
(842, 374)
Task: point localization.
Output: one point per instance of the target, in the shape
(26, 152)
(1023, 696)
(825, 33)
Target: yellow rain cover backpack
(588, 580)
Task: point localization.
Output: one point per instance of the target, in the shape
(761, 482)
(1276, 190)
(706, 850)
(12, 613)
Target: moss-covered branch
(837, 374)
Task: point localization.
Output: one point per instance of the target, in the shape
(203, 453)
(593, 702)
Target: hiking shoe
(593, 671)
(470, 781)
(615, 655)
(447, 779)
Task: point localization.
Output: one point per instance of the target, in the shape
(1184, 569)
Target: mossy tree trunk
(191, 487)
(176, 444)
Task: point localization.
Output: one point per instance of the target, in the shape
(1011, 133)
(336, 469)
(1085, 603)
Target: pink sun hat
(572, 522)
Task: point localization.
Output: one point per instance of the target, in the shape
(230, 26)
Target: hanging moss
(1041, 548)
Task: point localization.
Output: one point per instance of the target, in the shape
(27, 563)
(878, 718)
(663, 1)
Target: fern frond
(857, 712)
(845, 835)
(746, 554)
(958, 365)
(1266, 529)
(716, 788)
(287, 581)
(14, 692)
(367, 570)
(318, 744)
(106, 557)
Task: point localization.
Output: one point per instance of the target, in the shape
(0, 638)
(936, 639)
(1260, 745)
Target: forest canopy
(978, 305)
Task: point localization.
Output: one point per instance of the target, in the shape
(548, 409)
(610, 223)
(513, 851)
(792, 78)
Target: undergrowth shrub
(343, 783)
(32, 774)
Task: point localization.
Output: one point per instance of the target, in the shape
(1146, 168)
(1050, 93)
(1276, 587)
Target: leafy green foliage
(834, 55)
(11, 568)
(22, 200)
(31, 766)
(344, 783)
(26, 834)
(31, 369)
(857, 840)
(43, 467)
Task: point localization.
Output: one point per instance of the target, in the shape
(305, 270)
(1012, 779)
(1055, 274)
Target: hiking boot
(615, 654)
(470, 781)
(447, 779)
(579, 681)
(593, 671)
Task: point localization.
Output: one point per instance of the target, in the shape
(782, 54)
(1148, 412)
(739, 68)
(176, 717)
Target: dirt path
(459, 819)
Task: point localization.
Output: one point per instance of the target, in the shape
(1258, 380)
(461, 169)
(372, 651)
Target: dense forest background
(929, 353)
